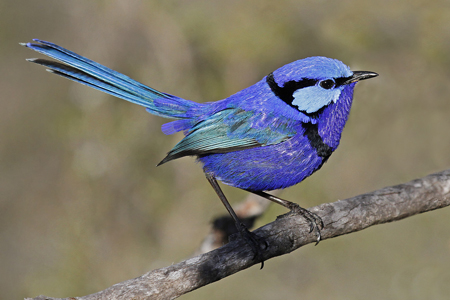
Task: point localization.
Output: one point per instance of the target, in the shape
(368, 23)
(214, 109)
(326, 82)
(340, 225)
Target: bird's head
(311, 84)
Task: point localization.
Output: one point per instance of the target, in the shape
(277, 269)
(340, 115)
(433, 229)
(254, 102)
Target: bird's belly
(265, 168)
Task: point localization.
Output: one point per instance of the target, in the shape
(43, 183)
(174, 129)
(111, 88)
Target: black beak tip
(361, 75)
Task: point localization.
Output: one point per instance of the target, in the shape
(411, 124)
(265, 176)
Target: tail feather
(86, 79)
(95, 75)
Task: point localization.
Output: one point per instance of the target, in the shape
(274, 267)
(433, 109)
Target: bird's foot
(315, 222)
(257, 243)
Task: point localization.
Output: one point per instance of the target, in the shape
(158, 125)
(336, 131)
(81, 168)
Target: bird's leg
(315, 222)
(251, 238)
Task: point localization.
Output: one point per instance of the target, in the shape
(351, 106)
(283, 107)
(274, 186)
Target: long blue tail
(90, 73)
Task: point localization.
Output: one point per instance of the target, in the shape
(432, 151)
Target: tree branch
(286, 234)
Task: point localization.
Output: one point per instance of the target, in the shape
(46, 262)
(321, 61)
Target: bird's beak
(360, 75)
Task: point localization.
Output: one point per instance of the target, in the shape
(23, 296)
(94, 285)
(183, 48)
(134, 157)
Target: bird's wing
(233, 129)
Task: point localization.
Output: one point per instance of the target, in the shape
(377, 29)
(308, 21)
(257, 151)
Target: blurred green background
(82, 205)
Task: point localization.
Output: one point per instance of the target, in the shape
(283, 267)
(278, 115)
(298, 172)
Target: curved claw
(318, 236)
(315, 222)
(312, 226)
(255, 243)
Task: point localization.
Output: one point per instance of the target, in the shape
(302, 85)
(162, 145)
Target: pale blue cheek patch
(313, 98)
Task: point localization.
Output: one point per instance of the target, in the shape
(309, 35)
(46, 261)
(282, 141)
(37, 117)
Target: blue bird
(269, 136)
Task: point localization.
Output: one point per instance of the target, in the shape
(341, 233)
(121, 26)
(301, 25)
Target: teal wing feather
(232, 129)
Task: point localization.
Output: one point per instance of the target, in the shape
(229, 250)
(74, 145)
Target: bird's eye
(327, 84)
